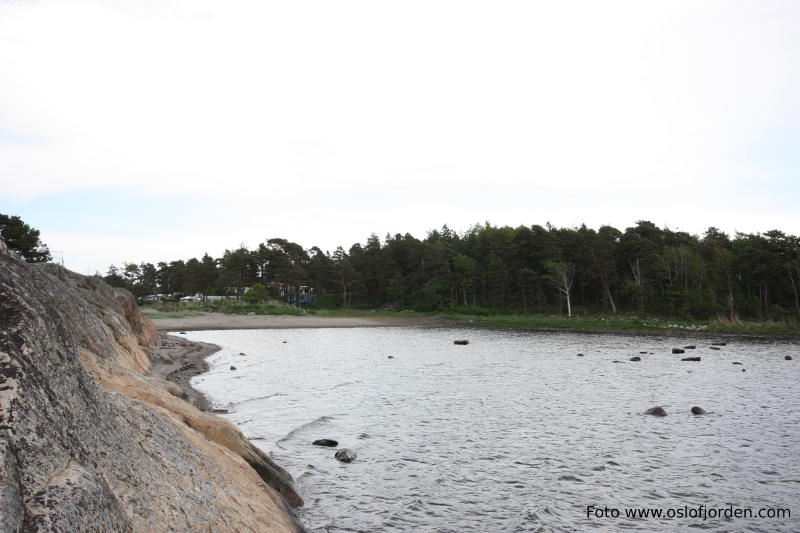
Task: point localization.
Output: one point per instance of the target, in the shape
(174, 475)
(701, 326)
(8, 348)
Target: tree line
(528, 269)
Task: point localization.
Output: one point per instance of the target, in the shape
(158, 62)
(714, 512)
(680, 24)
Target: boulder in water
(714, 347)
(690, 347)
(698, 410)
(580, 355)
(719, 344)
(636, 358)
(233, 367)
(461, 342)
(345, 455)
(690, 359)
(737, 363)
(678, 350)
(788, 357)
(656, 411)
(330, 443)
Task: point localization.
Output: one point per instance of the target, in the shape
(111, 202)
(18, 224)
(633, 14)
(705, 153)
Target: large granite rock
(89, 442)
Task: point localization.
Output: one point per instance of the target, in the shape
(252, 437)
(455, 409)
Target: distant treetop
(23, 239)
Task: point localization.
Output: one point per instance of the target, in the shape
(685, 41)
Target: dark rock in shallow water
(325, 442)
(181, 333)
(737, 363)
(615, 361)
(233, 367)
(219, 411)
(242, 353)
(698, 410)
(636, 358)
(580, 355)
(690, 359)
(463, 342)
(714, 347)
(719, 344)
(678, 350)
(690, 347)
(656, 411)
(391, 357)
(643, 353)
(788, 357)
(345, 455)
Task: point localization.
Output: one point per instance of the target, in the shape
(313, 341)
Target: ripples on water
(513, 432)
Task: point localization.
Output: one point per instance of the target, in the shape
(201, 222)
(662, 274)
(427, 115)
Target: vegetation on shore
(483, 318)
(528, 270)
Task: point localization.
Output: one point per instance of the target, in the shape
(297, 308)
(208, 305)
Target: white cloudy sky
(146, 130)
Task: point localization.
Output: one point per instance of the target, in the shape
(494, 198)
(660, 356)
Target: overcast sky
(148, 130)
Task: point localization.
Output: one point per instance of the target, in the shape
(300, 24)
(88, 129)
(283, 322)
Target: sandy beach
(211, 321)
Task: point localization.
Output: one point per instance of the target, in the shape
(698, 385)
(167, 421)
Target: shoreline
(221, 321)
(181, 361)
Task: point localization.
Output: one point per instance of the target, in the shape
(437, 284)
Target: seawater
(514, 432)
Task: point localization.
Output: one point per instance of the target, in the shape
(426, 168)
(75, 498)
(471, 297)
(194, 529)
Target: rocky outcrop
(90, 442)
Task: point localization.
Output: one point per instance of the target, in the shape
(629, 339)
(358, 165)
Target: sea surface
(515, 432)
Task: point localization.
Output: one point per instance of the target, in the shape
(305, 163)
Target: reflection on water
(513, 432)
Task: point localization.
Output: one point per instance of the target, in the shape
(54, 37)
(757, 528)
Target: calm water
(514, 432)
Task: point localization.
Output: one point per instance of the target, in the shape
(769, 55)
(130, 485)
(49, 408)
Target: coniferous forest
(538, 269)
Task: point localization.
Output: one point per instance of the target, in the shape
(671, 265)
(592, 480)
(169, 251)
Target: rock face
(656, 411)
(89, 442)
(345, 455)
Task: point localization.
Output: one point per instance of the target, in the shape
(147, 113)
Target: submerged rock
(326, 442)
(580, 355)
(390, 357)
(678, 350)
(690, 347)
(636, 358)
(233, 367)
(656, 411)
(345, 455)
(690, 359)
(719, 344)
(461, 342)
(698, 410)
(737, 363)
(714, 347)
(788, 358)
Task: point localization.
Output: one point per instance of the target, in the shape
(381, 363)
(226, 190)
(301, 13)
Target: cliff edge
(90, 442)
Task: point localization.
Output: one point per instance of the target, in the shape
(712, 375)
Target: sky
(147, 130)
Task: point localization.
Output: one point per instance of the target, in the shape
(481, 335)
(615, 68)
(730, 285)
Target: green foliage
(528, 270)
(23, 239)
